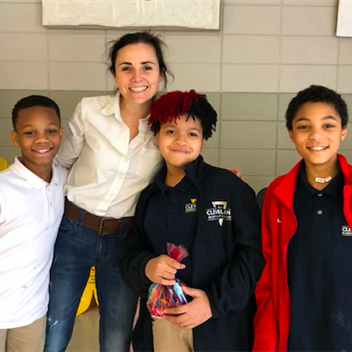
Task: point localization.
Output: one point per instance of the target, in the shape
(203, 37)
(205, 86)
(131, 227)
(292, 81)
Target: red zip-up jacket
(279, 224)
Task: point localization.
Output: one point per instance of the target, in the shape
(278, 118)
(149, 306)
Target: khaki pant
(29, 338)
(168, 337)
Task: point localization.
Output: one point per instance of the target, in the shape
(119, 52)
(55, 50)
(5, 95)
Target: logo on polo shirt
(346, 231)
(219, 212)
(191, 207)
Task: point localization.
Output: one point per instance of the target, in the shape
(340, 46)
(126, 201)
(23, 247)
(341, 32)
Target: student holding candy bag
(214, 215)
(161, 296)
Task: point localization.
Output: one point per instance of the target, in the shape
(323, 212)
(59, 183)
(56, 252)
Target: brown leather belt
(105, 226)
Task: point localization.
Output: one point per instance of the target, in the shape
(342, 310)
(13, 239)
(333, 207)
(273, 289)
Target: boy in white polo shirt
(31, 208)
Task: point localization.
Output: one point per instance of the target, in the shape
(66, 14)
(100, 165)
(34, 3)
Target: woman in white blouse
(112, 156)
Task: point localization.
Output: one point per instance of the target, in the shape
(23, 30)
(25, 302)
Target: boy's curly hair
(316, 94)
(171, 105)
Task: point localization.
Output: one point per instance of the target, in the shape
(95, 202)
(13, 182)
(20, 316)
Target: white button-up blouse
(108, 172)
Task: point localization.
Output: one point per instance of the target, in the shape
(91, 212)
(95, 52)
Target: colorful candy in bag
(161, 296)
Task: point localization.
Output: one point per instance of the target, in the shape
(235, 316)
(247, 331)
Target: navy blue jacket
(226, 259)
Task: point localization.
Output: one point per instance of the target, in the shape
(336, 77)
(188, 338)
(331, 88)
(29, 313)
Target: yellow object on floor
(3, 164)
(88, 293)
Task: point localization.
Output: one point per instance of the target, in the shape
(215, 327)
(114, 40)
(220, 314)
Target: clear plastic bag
(161, 296)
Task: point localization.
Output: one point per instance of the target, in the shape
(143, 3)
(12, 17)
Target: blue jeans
(77, 249)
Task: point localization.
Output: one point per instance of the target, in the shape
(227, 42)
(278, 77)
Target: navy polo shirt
(171, 217)
(319, 262)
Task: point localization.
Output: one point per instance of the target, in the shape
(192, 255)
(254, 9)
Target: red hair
(171, 105)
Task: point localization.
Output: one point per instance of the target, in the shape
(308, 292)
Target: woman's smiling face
(137, 73)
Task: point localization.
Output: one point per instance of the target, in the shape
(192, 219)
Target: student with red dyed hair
(212, 213)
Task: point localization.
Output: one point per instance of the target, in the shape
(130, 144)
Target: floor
(85, 332)
(85, 337)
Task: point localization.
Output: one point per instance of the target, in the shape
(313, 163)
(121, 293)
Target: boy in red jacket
(304, 294)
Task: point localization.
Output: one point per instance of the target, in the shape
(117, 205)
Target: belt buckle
(101, 226)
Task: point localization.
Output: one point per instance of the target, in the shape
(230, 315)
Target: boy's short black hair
(317, 94)
(171, 105)
(33, 100)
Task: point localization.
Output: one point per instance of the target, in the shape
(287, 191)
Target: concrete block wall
(264, 53)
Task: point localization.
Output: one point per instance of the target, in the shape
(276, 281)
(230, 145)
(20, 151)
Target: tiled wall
(265, 52)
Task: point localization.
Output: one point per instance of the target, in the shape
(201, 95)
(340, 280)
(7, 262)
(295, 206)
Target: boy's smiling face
(38, 134)
(316, 133)
(180, 143)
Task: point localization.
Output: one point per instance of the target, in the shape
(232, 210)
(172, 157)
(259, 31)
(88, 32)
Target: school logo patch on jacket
(346, 231)
(191, 207)
(219, 212)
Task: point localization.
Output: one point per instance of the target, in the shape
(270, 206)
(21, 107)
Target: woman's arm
(73, 142)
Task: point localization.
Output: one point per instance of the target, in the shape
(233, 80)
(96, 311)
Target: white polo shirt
(30, 215)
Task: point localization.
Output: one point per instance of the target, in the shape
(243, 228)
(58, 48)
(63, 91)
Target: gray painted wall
(265, 52)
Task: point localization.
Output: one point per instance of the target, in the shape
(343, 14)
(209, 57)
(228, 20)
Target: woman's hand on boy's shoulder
(192, 314)
(235, 170)
(162, 269)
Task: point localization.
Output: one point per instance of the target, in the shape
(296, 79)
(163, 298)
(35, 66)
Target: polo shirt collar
(192, 171)
(184, 186)
(55, 178)
(33, 180)
(333, 188)
(160, 179)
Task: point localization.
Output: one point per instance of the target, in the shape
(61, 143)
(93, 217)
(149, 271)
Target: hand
(191, 314)
(162, 269)
(235, 170)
